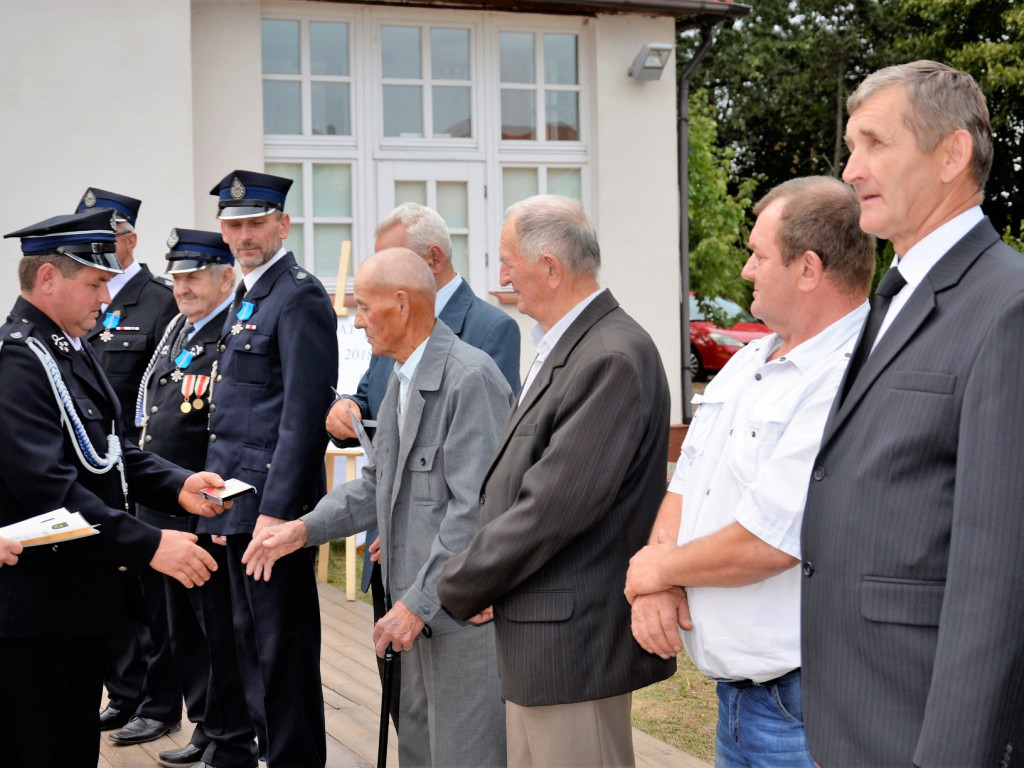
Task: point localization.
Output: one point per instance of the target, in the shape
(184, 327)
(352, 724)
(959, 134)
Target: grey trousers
(451, 711)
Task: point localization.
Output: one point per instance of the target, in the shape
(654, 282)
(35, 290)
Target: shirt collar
(545, 342)
(925, 254)
(203, 321)
(250, 278)
(406, 370)
(117, 282)
(444, 294)
(810, 352)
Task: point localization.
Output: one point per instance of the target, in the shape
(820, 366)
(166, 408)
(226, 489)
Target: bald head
(394, 292)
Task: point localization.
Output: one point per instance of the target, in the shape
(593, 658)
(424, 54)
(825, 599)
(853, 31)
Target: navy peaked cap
(125, 208)
(245, 194)
(88, 238)
(195, 249)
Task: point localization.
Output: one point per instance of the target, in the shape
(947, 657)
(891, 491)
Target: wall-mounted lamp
(650, 62)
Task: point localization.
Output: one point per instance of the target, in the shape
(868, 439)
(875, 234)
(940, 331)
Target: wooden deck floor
(352, 702)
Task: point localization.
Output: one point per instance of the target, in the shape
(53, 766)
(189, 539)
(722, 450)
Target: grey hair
(942, 100)
(424, 228)
(556, 225)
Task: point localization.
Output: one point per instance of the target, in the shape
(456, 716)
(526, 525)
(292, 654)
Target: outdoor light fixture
(650, 62)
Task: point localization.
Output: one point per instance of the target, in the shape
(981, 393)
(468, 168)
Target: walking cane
(385, 701)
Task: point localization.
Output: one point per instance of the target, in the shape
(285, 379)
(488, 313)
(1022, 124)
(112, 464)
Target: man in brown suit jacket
(577, 478)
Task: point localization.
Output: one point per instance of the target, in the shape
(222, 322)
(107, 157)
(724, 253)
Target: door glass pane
(517, 184)
(332, 189)
(400, 51)
(330, 109)
(453, 203)
(410, 192)
(560, 60)
(518, 114)
(566, 182)
(516, 57)
(449, 54)
(280, 46)
(328, 48)
(403, 111)
(451, 113)
(460, 254)
(293, 202)
(327, 240)
(563, 115)
(281, 107)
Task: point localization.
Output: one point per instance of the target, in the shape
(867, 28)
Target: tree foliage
(778, 80)
(718, 217)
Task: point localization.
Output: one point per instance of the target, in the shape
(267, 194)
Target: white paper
(58, 525)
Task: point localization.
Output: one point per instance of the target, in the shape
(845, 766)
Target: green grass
(681, 711)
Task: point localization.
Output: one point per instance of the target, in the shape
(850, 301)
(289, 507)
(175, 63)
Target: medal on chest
(110, 321)
(243, 314)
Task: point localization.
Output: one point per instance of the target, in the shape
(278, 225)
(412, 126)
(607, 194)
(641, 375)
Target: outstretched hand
(270, 542)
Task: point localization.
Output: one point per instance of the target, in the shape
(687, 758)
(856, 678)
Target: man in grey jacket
(437, 428)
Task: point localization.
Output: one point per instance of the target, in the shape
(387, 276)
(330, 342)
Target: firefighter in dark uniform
(140, 307)
(141, 683)
(64, 447)
(278, 361)
(172, 408)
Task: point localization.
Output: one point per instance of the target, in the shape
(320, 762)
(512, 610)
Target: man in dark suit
(174, 415)
(278, 361)
(439, 423)
(60, 599)
(569, 496)
(913, 633)
(472, 319)
(140, 680)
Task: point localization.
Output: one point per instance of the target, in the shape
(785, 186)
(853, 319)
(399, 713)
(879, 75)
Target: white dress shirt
(916, 263)
(747, 458)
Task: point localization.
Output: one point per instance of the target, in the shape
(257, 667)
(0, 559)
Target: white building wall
(635, 194)
(94, 93)
(228, 96)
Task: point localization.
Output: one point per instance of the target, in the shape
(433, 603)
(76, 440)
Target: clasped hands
(659, 609)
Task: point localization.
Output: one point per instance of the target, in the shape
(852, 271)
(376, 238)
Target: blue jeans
(762, 726)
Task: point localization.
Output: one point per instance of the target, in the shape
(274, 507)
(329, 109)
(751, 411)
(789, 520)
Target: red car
(711, 346)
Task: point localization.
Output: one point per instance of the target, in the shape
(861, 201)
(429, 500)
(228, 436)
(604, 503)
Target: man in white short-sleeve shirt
(721, 559)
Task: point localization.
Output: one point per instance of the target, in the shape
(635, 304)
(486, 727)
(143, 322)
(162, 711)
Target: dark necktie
(179, 341)
(889, 286)
(239, 295)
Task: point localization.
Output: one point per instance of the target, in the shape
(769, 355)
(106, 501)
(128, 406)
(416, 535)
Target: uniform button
(90, 411)
(213, 438)
(222, 347)
(122, 568)
(124, 344)
(819, 473)
(305, 507)
(219, 377)
(808, 568)
(268, 467)
(248, 346)
(55, 547)
(212, 407)
(163, 381)
(154, 409)
(149, 438)
(482, 497)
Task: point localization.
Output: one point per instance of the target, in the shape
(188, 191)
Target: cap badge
(173, 239)
(17, 335)
(90, 199)
(113, 222)
(237, 189)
